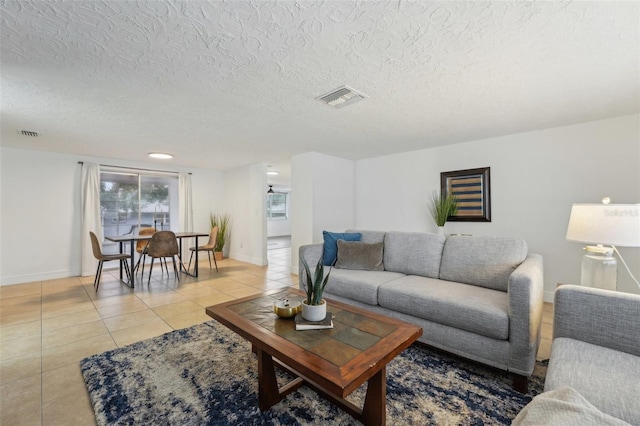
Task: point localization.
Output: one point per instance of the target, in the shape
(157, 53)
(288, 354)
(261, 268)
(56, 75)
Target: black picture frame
(472, 188)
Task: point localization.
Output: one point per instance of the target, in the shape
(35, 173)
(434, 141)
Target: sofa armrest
(311, 253)
(600, 317)
(526, 302)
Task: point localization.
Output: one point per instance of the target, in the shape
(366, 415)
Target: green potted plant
(443, 206)
(222, 222)
(314, 307)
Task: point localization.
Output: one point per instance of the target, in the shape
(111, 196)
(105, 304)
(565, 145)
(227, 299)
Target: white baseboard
(28, 278)
(248, 259)
(548, 296)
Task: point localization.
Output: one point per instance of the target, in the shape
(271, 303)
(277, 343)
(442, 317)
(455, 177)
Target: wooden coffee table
(334, 362)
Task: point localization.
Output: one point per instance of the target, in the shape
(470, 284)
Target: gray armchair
(594, 369)
(604, 318)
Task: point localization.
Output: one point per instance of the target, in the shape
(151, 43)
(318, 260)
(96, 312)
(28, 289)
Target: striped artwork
(471, 188)
(468, 192)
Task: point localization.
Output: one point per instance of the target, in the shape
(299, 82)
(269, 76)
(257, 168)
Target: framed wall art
(473, 191)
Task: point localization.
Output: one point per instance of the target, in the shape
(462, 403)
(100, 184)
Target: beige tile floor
(47, 327)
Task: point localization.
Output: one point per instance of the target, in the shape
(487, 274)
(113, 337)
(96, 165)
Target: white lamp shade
(612, 224)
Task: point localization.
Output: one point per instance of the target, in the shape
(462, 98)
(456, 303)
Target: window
(277, 206)
(130, 200)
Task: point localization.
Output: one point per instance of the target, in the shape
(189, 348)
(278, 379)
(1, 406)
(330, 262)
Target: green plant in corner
(442, 207)
(222, 222)
(315, 286)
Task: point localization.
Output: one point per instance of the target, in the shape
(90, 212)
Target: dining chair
(141, 248)
(97, 253)
(133, 228)
(209, 248)
(163, 244)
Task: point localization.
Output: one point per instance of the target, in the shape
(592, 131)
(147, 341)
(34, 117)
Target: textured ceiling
(224, 84)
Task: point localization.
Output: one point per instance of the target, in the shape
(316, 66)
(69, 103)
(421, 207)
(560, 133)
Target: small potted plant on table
(314, 307)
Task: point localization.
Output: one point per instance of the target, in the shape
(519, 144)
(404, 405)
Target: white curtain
(185, 207)
(90, 197)
(185, 203)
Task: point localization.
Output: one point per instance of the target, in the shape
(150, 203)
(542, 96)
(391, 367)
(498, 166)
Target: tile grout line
(101, 318)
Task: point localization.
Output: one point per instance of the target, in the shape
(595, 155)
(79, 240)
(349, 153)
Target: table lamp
(607, 226)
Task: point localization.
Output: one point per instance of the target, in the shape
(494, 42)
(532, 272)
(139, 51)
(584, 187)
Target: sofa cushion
(467, 307)
(481, 260)
(413, 253)
(601, 375)
(369, 236)
(359, 255)
(330, 248)
(358, 285)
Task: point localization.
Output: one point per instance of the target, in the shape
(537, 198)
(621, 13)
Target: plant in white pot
(443, 206)
(222, 222)
(314, 307)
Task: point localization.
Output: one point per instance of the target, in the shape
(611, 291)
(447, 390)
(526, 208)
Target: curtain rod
(134, 168)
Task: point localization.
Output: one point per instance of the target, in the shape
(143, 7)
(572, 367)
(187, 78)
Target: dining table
(122, 239)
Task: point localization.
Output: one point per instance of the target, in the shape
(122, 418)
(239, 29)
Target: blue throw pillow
(331, 244)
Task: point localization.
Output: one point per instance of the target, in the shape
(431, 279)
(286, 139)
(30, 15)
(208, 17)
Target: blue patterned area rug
(207, 375)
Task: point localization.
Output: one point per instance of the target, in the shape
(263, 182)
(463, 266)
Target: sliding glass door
(119, 206)
(130, 201)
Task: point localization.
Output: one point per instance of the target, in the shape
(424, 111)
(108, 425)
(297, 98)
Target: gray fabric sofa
(478, 297)
(595, 358)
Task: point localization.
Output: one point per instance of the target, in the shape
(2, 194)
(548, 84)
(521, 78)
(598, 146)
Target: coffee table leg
(374, 411)
(268, 393)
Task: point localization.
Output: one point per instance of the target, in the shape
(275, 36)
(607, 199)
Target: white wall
(323, 192)
(278, 227)
(535, 177)
(301, 205)
(40, 211)
(40, 219)
(208, 190)
(245, 202)
(334, 197)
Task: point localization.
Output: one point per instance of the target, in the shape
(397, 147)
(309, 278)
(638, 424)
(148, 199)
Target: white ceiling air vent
(341, 97)
(28, 133)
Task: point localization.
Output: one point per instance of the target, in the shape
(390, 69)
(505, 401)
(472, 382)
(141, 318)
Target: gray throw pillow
(359, 255)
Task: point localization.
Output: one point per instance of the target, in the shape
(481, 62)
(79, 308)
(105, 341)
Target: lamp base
(599, 268)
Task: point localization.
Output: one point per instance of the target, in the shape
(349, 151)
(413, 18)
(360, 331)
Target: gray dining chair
(97, 253)
(163, 244)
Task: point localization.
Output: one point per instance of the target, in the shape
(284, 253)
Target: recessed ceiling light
(272, 172)
(160, 155)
